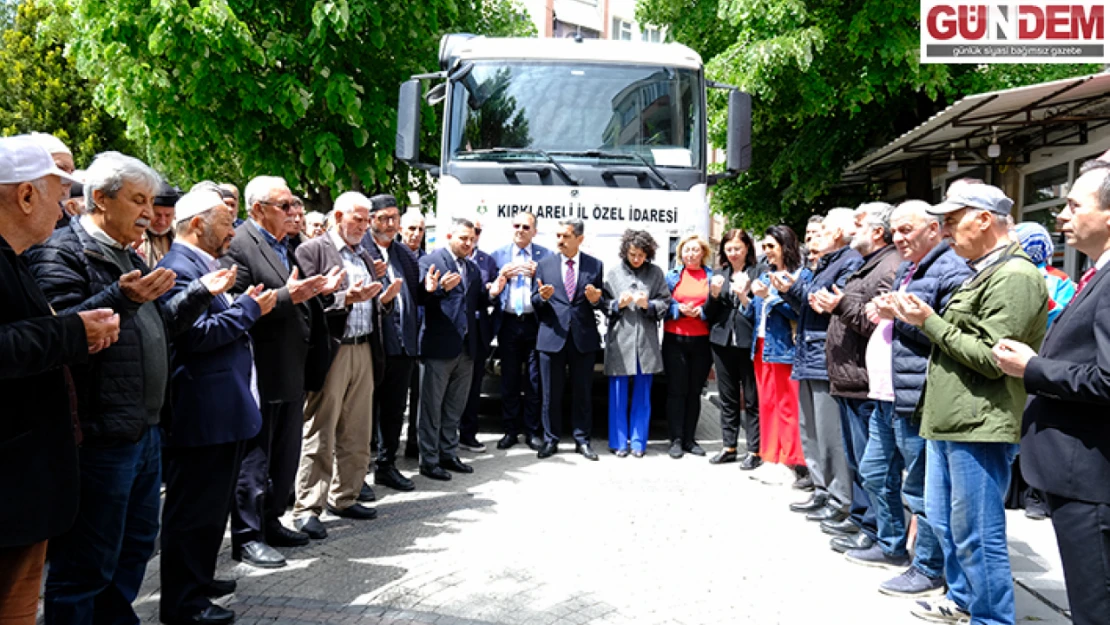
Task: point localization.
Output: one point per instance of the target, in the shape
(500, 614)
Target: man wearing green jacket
(970, 411)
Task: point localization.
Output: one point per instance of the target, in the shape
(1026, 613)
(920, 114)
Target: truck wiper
(667, 184)
(540, 153)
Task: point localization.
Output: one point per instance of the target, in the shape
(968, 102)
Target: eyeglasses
(284, 206)
(524, 227)
(386, 218)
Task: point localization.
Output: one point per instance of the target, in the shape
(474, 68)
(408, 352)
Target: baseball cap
(194, 203)
(980, 196)
(23, 159)
(52, 144)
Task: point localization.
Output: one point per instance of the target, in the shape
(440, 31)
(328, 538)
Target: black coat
(401, 337)
(1065, 446)
(38, 450)
(728, 324)
(76, 275)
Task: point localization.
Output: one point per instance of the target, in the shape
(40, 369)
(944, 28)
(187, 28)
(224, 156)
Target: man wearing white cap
(38, 431)
(215, 410)
(970, 411)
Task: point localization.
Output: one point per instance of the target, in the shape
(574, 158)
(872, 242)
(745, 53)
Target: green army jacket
(967, 398)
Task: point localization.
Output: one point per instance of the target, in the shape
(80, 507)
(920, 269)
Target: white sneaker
(940, 610)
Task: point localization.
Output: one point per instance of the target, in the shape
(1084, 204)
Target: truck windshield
(580, 111)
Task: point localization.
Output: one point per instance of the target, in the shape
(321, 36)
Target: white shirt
(577, 267)
(1102, 260)
(521, 286)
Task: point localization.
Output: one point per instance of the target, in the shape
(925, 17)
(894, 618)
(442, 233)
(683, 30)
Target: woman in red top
(686, 353)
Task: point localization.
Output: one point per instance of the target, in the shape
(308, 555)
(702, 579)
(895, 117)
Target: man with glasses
(412, 236)
(468, 426)
(516, 327)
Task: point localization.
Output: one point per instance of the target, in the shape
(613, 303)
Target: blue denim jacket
(778, 339)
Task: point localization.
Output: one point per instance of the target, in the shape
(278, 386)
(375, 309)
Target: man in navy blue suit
(215, 410)
(566, 294)
(516, 326)
(412, 237)
(468, 427)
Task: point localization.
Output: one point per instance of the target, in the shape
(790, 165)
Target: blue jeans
(893, 445)
(96, 567)
(618, 410)
(965, 484)
(855, 415)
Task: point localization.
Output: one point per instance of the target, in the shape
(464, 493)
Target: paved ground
(564, 540)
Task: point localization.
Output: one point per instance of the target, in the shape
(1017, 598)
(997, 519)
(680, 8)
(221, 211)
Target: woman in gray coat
(639, 299)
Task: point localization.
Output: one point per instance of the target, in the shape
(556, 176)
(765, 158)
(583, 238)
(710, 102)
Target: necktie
(461, 262)
(1087, 277)
(568, 280)
(518, 296)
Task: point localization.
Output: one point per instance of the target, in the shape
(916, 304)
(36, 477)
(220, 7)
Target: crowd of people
(151, 336)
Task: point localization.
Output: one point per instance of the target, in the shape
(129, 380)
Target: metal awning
(1061, 112)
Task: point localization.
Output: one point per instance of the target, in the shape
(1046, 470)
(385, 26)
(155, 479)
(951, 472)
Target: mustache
(142, 221)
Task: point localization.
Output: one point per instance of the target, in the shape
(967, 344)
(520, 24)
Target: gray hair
(917, 208)
(577, 224)
(207, 216)
(877, 215)
(411, 216)
(349, 201)
(815, 219)
(111, 170)
(1104, 188)
(842, 219)
(260, 188)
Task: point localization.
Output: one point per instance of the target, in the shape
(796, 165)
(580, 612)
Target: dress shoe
(455, 465)
(366, 493)
(354, 511)
(844, 544)
(828, 513)
(391, 477)
(312, 526)
(676, 449)
(751, 462)
(219, 588)
(724, 457)
(816, 501)
(277, 535)
(472, 444)
(257, 553)
(508, 441)
(804, 483)
(213, 614)
(535, 443)
(693, 448)
(586, 451)
(550, 448)
(839, 528)
(435, 472)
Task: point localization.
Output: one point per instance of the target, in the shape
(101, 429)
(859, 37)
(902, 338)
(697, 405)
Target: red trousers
(780, 440)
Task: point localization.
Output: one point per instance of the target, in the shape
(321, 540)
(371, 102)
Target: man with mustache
(159, 236)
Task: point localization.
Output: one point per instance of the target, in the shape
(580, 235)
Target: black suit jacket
(560, 316)
(1065, 447)
(486, 314)
(38, 450)
(451, 317)
(283, 337)
(401, 325)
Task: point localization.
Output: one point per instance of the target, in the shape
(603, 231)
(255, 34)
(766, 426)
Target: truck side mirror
(739, 151)
(408, 122)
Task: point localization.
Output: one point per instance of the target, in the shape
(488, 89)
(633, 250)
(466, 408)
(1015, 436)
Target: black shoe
(454, 464)
(311, 526)
(435, 472)
(693, 448)
(366, 493)
(213, 614)
(277, 535)
(472, 444)
(354, 511)
(815, 502)
(804, 483)
(535, 443)
(550, 448)
(586, 451)
(508, 441)
(751, 462)
(724, 457)
(859, 540)
(257, 553)
(846, 527)
(828, 513)
(412, 452)
(676, 449)
(219, 588)
(388, 475)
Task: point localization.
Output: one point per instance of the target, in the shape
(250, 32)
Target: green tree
(41, 91)
(830, 79)
(230, 89)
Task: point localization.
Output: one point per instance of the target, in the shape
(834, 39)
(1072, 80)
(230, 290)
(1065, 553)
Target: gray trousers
(819, 421)
(444, 388)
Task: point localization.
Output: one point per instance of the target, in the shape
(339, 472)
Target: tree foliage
(830, 80)
(307, 90)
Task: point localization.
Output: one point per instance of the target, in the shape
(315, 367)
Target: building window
(1046, 185)
(622, 30)
(651, 34)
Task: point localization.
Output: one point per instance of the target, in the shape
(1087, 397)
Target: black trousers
(200, 487)
(1083, 535)
(553, 372)
(520, 373)
(413, 411)
(267, 472)
(468, 423)
(736, 386)
(389, 406)
(686, 361)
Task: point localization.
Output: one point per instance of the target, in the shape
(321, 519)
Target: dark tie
(1087, 277)
(568, 280)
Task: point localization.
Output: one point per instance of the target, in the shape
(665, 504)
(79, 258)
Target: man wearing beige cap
(38, 433)
(215, 408)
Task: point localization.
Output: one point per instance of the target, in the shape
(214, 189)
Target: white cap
(23, 159)
(194, 203)
(52, 144)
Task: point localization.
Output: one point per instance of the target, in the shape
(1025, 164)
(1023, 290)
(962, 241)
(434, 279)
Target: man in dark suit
(281, 349)
(567, 291)
(400, 335)
(215, 411)
(412, 236)
(449, 343)
(468, 427)
(1065, 447)
(516, 327)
